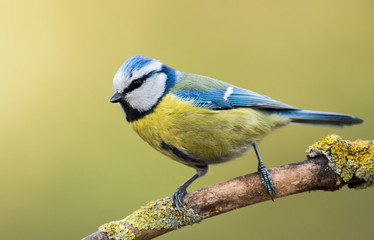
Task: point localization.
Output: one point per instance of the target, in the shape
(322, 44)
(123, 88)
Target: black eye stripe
(136, 83)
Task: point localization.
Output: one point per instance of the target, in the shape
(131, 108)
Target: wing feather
(210, 93)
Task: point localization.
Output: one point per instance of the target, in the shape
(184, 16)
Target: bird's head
(139, 85)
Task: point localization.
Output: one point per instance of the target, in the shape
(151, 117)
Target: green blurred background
(70, 162)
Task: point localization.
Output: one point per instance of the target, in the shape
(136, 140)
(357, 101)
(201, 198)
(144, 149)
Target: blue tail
(319, 118)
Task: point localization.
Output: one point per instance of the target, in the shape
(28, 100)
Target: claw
(177, 198)
(264, 174)
(266, 180)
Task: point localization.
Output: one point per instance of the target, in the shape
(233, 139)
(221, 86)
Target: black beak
(116, 97)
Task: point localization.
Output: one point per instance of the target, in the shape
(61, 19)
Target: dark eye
(136, 83)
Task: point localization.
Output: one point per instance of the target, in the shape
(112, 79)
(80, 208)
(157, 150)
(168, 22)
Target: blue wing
(230, 97)
(210, 93)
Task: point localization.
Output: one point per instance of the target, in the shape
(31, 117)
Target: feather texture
(210, 93)
(213, 94)
(207, 136)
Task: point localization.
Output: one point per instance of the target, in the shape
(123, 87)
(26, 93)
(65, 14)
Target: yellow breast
(209, 136)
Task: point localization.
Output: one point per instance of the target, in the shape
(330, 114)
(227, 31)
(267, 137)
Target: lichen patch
(159, 214)
(348, 159)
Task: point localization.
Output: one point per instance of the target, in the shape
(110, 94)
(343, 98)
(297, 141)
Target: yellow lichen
(348, 159)
(159, 214)
(116, 230)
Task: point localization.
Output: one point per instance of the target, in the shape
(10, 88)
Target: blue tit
(198, 120)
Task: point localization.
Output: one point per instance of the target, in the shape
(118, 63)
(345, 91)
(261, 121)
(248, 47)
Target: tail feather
(320, 118)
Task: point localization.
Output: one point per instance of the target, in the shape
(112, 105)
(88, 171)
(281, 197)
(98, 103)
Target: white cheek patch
(146, 96)
(153, 66)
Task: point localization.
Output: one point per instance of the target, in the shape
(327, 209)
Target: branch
(329, 169)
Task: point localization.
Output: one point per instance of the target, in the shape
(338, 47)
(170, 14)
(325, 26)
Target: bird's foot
(177, 197)
(266, 180)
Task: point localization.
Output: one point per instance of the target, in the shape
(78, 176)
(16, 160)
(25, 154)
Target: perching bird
(198, 120)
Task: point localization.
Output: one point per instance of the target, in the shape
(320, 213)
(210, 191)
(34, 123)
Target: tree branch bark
(304, 176)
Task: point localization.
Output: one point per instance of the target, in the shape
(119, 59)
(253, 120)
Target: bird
(198, 120)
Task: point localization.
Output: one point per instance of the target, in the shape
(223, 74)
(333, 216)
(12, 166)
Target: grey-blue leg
(264, 173)
(177, 197)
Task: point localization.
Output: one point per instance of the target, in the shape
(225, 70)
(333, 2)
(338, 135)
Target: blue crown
(134, 63)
